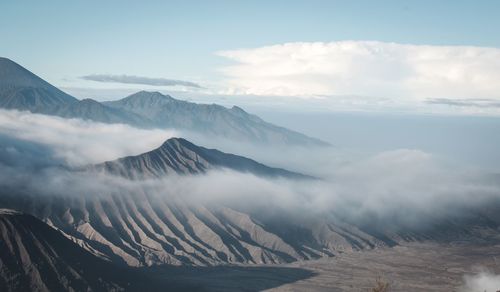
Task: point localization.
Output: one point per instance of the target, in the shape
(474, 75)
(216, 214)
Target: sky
(396, 56)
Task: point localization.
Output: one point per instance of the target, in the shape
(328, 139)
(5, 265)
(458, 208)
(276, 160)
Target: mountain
(89, 109)
(147, 224)
(180, 156)
(143, 228)
(36, 257)
(233, 123)
(22, 90)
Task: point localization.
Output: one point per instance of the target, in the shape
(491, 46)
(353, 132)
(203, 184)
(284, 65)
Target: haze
(231, 146)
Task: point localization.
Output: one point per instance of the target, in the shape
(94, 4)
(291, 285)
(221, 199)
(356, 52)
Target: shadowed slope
(36, 257)
(141, 229)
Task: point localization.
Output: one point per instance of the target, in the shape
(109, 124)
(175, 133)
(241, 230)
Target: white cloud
(402, 73)
(484, 281)
(404, 183)
(131, 79)
(81, 142)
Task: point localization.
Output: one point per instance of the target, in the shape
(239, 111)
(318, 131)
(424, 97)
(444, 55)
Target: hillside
(180, 156)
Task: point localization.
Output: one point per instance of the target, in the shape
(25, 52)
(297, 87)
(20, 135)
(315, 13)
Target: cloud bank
(401, 72)
(410, 185)
(484, 281)
(130, 79)
(469, 102)
(407, 184)
(79, 142)
(382, 190)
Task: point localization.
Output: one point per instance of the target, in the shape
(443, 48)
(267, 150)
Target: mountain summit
(20, 89)
(180, 156)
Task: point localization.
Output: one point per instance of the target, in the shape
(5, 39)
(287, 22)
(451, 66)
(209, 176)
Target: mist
(149, 147)
(404, 185)
(483, 281)
(79, 142)
(466, 140)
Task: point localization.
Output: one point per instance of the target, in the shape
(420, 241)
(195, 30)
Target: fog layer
(407, 183)
(80, 142)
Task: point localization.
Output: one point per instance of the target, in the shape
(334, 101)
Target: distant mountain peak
(23, 90)
(90, 102)
(238, 110)
(13, 74)
(209, 119)
(6, 62)
(178, 155)
(177, 141)
(149, 95)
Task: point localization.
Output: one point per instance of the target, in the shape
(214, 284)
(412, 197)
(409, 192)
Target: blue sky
(183, 40)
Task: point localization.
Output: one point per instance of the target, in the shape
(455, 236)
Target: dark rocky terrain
(36, 257)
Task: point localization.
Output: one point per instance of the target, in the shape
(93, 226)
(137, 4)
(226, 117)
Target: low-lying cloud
(384, 191)
(400, 72)
(406, 187)
(407, 184)
(79, 142)
(467, 102)
(484, 281)
(131, 79)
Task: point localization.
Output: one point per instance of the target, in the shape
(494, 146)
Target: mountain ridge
(21, 89)
(179, 156)
(149, 224)
(212, 119)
